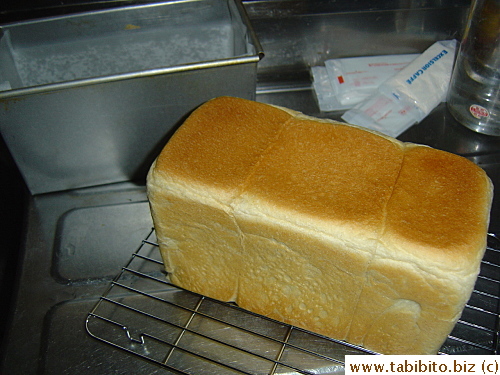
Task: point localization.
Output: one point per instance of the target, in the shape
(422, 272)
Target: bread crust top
(423, 204)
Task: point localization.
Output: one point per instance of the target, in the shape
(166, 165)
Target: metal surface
(298, 34)
(103, 95)
(64, 267)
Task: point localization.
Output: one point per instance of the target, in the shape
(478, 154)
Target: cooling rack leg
(178, 339)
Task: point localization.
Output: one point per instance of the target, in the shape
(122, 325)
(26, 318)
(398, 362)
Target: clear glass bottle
(474, 93)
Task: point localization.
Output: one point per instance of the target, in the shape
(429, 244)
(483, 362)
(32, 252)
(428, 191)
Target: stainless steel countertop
(76, 241)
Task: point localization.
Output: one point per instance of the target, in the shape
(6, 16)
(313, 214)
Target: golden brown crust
(318, 170)
(211, 150)
(320, 224)
(438, 207)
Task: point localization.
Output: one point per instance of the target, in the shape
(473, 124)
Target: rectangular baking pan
(88, 99)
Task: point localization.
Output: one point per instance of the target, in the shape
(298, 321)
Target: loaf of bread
(319, 224)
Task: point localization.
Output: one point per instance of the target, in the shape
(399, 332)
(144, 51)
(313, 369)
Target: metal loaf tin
(89, 99)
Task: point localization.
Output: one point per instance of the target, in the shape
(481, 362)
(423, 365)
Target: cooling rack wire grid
(146, 316)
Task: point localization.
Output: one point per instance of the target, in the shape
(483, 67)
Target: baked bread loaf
(323, 225)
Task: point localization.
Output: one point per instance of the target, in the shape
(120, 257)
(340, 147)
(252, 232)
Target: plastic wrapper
(342, 83)
(410, 95)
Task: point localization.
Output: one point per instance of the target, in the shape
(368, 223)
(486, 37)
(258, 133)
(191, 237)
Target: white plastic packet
(384, 114)
(424, 83)
(356, 78)
(326, 97)
(410, 95)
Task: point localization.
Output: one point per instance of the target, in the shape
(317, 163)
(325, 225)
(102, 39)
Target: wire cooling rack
(146, 316)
